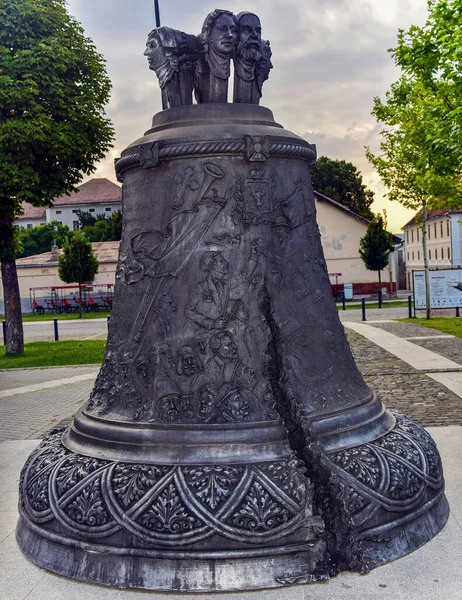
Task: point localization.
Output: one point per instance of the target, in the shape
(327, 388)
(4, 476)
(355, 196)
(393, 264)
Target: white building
(444, 241)
(96, 196)
(341, 230)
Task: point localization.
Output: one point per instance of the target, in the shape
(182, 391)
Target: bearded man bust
(252, 60)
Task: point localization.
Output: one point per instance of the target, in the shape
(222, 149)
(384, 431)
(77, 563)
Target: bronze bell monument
(230, 441)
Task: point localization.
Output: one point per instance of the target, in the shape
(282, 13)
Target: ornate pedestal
(230, 441)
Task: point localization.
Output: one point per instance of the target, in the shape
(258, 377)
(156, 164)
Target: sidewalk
(390, 356)
(33, 401)
(433, 572)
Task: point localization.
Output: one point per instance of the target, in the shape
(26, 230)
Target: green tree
(40, 238)
(375, 248)
(78, 264)
(421, 151)
(98, 232)
(87, 218)
(115, 232)
(341, 181)
(53, 129)
(430, 59)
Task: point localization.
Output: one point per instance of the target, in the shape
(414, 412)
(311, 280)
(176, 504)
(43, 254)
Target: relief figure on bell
(160, 252)
(218, 298)
(189, 368)
(252, 60)
(218, 37)
(220, 367)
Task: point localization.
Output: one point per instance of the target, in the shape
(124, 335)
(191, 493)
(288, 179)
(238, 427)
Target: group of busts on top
(187, 64)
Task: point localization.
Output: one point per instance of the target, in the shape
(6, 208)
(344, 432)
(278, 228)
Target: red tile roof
(98, 190)
(95, 191)
(30, 212)
(104, 252)
(433, 214)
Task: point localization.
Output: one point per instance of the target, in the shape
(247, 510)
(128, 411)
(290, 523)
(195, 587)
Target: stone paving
(14, 378)
(433, 572)
(31, 415)
(402, 387)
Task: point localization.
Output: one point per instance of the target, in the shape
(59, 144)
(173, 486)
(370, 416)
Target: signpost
(445, 288)
(336, 275)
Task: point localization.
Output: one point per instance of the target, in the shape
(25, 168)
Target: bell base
(406, 536)
(123, 568)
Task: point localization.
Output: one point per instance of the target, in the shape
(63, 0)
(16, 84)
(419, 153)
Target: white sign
(445, 288)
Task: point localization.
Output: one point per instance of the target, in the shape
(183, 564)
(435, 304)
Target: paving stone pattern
(32, 415)
(403, 388)
(12, 378)
(408, 330)
(450, 348)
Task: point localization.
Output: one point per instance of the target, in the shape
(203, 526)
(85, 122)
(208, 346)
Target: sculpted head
(222, 344)
(244, 377)
(188, 362)
(154, 52)
(249, 37)
(214, 262)
(219, 33)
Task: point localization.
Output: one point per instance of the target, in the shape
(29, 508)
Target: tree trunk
(80, 300)
(13, 313)
(380, 288)
(425, 257)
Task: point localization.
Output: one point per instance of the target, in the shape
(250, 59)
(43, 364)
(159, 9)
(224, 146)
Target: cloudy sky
(330, 60)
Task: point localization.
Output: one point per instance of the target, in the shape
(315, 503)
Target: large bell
(229, 442)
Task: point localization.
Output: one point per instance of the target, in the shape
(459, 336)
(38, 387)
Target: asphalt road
(85, 329)
(93, 329)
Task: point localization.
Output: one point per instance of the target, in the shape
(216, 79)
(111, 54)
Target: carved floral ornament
(166, 505)
(175, 506)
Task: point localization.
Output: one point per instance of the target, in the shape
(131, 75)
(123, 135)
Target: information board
(445, 288)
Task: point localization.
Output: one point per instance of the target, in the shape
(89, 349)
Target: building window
(449, 254)
(74, 210)
(417, 234)
(92, 210)
(418, 254)
(412, 236)
(447, 228)
(29, 225)
(60, 222)
(408, 255)
(108, 208)
(429, 254)
(75, 224)
(42, 223)
(407, 237)
(412, 255)
(58, 212)
(436, 253)
(441, 228)
(429, 236)
(434, 227)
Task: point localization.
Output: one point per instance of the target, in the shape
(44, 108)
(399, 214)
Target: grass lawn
(53, 354)
(385, 304)
(451, 325)
(65, 317)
